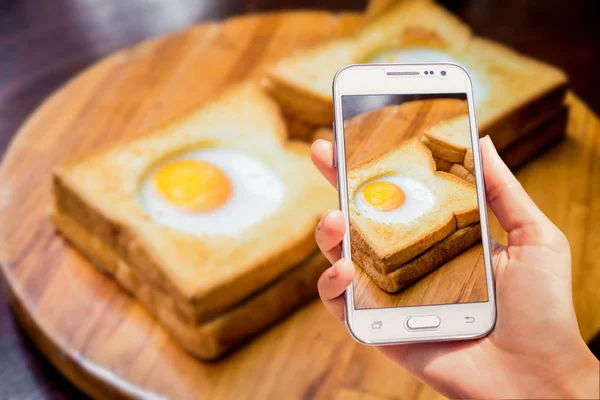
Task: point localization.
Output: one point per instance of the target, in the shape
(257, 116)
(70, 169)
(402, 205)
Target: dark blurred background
(43, 43)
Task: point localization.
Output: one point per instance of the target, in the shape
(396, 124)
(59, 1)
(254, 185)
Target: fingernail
(315, 143)
(347, 264)
(332, 272)
(330, 213)
(325, 216)
(491, 142)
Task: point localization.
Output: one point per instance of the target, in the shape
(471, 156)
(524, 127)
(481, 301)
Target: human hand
(536, 349)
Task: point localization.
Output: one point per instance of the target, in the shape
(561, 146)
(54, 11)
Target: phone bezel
(374, 79)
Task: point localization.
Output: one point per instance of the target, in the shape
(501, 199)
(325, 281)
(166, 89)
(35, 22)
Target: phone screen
(415, 228)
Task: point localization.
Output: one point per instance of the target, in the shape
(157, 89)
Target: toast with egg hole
(400, 207)
(513, 93)
(209, 208)
(215, 337)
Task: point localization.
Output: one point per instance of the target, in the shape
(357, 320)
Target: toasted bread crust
(443, 151)
(216, 336)
(300, 130)
(441, 164)
(541, 138)
(462, 172)
(450, 140)
(426, 262)
(299, 104)
(366, 255)
(518, 120)
(469, 162)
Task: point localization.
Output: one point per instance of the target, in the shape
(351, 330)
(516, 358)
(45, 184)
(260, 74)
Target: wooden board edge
(90, 378)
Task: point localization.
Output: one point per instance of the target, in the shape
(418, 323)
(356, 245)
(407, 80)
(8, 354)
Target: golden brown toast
(386, 245)
(424, 263)
(205, 274)
(450, 143)
(513, 93)
(214, 337)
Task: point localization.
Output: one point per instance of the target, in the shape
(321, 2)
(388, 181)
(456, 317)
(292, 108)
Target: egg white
(419, 200)
(257, 192)
(423, 55)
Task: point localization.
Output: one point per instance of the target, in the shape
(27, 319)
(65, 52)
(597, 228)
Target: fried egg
(393, 199)
(211, 191)
(422, 55)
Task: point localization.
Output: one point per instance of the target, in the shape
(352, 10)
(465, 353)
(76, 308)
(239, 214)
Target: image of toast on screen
(400, 206)
(414, 218)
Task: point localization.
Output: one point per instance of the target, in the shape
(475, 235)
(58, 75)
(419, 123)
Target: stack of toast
(519, 101)
(439, 216)
(241, 264)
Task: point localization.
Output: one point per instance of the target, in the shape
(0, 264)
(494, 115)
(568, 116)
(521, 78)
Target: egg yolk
(383, 196)
(196, 186)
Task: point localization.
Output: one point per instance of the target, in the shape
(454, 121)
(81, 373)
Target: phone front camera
(443, 73)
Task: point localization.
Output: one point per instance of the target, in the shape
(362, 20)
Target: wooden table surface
(42, 44)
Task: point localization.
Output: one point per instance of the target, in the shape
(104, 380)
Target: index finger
(322, 157)
(515, 210)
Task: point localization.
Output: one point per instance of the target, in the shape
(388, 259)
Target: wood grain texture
(389, 126)
(105, 342)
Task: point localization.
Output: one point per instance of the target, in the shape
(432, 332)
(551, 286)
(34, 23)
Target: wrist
(581, 380)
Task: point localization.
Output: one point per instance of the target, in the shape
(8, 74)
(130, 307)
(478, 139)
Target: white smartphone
(412, 192)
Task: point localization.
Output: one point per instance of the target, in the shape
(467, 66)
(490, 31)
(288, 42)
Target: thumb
(516, 212)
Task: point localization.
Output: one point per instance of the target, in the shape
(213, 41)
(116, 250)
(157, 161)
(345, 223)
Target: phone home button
(423, 322)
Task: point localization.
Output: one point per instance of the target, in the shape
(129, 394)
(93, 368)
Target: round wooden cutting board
(105, 342)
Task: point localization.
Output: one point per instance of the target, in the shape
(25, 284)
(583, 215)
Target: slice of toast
(450, 143)
(204, 274)
(462, 172)
(450, 139)
(424, 263)
(213, 338)
(386, 247)
(513, 93)
(301, 83)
